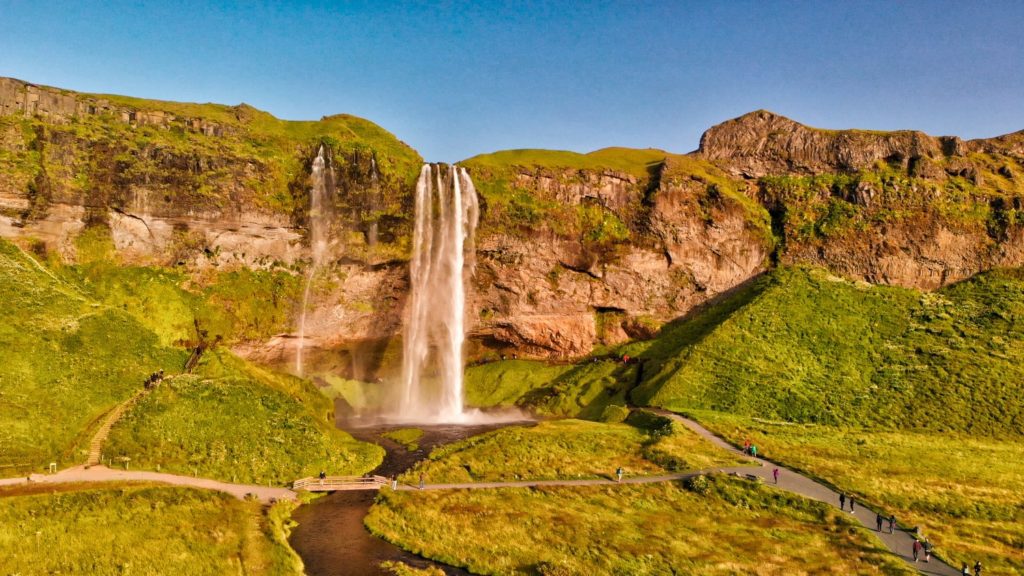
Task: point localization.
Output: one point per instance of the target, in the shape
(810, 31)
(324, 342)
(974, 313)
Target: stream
(330, 536)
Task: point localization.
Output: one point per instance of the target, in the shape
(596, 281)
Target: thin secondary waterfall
(318, 205)
(443, 235)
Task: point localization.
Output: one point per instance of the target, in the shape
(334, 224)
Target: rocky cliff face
(899, 208)
(574, 251)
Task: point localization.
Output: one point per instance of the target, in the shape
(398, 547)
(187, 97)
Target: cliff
(575, 251)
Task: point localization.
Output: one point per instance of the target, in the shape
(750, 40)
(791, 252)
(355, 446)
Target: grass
(732, 528)
(409, 438)
(569, 449)
(802, 345)
(65, 360)
(504, 382)
(235, 305)
(142, 530)
(231, 424)
(966, 493)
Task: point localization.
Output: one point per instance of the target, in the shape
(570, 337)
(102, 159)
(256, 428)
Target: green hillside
(807, 346)
(77, 341)
(64, 361)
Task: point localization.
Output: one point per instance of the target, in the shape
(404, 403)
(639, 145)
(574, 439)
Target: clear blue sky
(454, 80)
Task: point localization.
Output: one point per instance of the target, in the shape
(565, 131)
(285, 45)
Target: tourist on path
(964, 571)
(323, 475)
(892, 523)
(878, 522)
(618, 474)
(775, 473)
(421, 481)
(842, 501)
(917, 548)
(753, 450)
(927, 550)
(746, 446)
(852, 501)
(977, 568)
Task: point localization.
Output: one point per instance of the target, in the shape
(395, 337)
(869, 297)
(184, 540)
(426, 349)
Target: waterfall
(442, 262)
(318, 222)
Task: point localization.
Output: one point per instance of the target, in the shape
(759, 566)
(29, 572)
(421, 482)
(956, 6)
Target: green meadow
(723, 526)
(570, 449)
(138, 529)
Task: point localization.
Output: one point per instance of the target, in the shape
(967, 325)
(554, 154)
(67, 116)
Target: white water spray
(443, 235)
(318, 222)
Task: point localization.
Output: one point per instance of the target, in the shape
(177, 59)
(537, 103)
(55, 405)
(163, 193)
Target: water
(319, 202)
(330, 536)
(431, 388)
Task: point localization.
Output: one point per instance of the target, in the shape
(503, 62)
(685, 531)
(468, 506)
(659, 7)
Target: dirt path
(100, 474)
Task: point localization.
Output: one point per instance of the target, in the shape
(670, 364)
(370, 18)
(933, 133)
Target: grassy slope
(735, 528)
(569, 449)
(813, 348)
(142, 530)
(239, 423)
(64, 361)
(67, 358)
(966, 493)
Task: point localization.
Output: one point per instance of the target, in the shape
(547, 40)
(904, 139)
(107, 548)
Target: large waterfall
(442, 263)
(319, 203)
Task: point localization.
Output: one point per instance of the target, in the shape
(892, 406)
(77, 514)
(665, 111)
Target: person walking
(892, 522)
(917, 548)
(323, 475)
(753, 450)
(964, 571)
(977, 568)
(618, 474)
(746, 446)
(852, 501)
(421, 481)
(927, 550)
(878, 522)
(842, 501)
(775, 473)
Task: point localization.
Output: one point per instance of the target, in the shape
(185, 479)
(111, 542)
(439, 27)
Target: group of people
(154, 379)
(977, 569)
(749, 448)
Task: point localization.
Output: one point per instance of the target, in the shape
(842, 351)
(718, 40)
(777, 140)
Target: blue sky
(457, 79)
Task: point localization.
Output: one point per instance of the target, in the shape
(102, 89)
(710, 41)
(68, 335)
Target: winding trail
(900, 542)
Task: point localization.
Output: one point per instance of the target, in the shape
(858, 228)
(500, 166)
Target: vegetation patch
(409, 438)
(142, 530)
(734, 528)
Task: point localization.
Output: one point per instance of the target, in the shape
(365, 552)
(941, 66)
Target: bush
(697, 485)
(614, 414)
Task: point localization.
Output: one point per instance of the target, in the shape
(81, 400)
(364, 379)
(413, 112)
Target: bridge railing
(330, 483)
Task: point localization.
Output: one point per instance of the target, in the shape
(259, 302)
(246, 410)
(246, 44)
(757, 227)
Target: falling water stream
(443, 234)
(318, 223)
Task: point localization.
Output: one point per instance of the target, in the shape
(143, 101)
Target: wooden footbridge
(337, 483)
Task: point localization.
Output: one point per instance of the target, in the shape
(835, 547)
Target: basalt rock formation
(573, 250)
